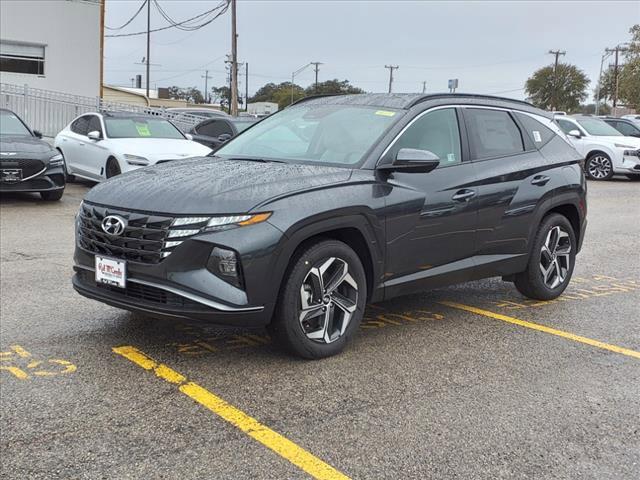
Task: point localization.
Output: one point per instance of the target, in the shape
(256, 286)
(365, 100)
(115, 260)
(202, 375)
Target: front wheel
(599, 167)
(322, 300)
(551, 261)
(113, 168)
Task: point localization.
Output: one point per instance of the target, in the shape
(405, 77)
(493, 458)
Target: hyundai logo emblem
(114, 225)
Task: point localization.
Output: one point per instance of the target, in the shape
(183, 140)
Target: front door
(431, 217)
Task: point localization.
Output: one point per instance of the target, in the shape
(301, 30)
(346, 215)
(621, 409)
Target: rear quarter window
(540, 134)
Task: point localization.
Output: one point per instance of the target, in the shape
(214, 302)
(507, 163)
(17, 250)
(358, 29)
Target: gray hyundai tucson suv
(302, 219)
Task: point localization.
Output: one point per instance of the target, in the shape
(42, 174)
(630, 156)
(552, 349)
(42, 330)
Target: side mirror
(37, 133)
(412, 160)
(224, 137)
(94, 135)
(575, 133)
(188, 136)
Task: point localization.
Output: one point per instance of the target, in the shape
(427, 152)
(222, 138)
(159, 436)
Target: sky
(491, 47)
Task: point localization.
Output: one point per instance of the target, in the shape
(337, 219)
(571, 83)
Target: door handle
(540, 180)
(464, 195)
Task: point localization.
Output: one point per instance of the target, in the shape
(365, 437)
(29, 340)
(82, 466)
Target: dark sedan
(216, 131)
(28, 163)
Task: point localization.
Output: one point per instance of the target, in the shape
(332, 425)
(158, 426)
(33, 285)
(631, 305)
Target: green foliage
(563, 90)
(334, 86)
(190, 94)
(629, 84)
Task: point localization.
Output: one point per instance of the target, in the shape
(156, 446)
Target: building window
(21, 58)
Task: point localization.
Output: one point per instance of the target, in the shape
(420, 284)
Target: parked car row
(606, 150)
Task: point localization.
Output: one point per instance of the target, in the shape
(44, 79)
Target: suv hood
(23, 145)
(210, 185)
(620, 140)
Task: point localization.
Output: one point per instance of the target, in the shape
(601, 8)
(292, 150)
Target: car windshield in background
(243, 125)
(10, 124)
(338, 134)
(135, 127)
(598, 128)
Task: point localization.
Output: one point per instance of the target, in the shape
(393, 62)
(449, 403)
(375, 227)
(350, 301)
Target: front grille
(29, 167)
(147, 238)
(145, 293)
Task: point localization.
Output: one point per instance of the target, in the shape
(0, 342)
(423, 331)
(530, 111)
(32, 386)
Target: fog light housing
(224, 264)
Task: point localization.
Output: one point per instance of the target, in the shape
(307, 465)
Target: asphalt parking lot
(471, 381)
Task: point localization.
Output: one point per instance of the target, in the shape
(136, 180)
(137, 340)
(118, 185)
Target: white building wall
(70, 31)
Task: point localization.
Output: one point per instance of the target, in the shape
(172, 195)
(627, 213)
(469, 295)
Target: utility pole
(616, 51)
(148, 44)
(424, 86)
(391, 69)
(101, 47)
(557, 53)
(234, 62)
(246, 87)
(316, 66)
(206, 77)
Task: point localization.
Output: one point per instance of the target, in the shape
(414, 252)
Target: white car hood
(620, 140)
(155, 149)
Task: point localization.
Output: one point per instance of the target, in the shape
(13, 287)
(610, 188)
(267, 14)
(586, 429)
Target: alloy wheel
(328, 299)
(599, 167)
(555, 257)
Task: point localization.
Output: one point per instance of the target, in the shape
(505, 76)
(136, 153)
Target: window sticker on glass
(536, 136)
(385, 113)
(143, 129)
(451, 157)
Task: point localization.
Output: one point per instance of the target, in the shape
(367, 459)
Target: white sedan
(97, 146)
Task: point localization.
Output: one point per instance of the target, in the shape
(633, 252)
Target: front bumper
(53, 178)
(181, 286)
(630, 164)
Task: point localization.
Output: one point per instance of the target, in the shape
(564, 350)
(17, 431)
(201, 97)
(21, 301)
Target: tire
(334, 305)
(68, 178)
(634, 178)
(598, 166)
(558, 263)
(53, 195)
(112, 169)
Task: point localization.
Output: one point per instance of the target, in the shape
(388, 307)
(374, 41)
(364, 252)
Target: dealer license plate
(111, 271)
(10, 175)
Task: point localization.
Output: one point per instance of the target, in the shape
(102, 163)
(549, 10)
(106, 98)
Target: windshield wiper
(257, 159)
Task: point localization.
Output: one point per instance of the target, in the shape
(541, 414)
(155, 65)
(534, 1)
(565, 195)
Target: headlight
(56, 160)
(188, 226)
(136, 160)
(622, 145)
(631, 153)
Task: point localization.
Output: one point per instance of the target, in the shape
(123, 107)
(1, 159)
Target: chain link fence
(49, 111)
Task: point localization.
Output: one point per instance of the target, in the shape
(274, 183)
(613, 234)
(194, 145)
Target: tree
(629, 78)
(190, 94)
(334, 87)
(564, 89)
(278, 93)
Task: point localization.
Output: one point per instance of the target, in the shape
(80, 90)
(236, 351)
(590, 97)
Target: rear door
(513, 178)
(431, 217)
(72, 145)
(95, 151)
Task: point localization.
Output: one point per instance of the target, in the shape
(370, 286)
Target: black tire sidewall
(116, 168)
(586, 167)
(530, 283)
(285, 325)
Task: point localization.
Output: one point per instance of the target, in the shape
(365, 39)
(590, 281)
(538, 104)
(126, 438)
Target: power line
(183, 25)
(130, 20)
(222, 7)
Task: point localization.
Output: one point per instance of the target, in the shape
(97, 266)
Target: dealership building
(52, 45)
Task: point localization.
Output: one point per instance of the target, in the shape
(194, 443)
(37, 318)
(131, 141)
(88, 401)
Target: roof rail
(465, 95)
(313, 97)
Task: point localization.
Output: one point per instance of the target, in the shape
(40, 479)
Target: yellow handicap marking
(38, 368)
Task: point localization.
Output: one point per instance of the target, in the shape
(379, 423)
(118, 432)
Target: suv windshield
(140, 127)
(328, 134)
(10, 124)
(598, 128)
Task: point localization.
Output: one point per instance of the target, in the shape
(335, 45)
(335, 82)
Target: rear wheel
(52, 195)
(551, 261)
(599, 167)
(113, 168)
(322, 300)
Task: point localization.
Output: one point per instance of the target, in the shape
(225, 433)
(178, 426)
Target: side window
(215, 128)
(94, 125)
(80, 125)
(566, 126)
(625, 128)
(492, 133)
(435, 131)
(540, 134)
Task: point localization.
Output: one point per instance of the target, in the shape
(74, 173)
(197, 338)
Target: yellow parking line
(545, 329)
(249, 425)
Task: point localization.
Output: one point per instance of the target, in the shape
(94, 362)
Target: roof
(140, 92)
(406, 101)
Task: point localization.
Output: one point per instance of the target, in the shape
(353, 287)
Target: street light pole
(604, 56)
